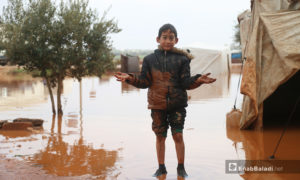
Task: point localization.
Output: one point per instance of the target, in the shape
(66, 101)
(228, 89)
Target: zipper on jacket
(165, 62)
(165, 70)
(168, 97)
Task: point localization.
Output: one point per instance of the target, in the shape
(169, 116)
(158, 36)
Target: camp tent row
(270, 37)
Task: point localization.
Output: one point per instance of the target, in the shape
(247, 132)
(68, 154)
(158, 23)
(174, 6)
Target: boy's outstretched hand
(205, 79)
(122, 76)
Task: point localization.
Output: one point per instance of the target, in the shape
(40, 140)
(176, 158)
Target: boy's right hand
(121, 76)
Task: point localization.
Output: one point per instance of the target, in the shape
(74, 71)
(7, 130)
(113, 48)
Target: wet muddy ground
(105, 133)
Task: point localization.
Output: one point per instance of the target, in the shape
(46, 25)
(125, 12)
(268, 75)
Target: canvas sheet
(272, 56)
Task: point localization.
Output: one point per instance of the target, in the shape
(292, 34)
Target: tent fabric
(215, 62)
(245, 25)
(208, 60)
(285, 42)
(272, 56)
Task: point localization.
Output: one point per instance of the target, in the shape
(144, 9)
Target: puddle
(105, 132)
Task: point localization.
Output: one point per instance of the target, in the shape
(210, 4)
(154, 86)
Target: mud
(19, 169)
(16, 126)
(35, 122)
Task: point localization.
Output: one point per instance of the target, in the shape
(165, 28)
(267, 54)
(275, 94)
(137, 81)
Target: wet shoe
(181, 172)
(160, 172)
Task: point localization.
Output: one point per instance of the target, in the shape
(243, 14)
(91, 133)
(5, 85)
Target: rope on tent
(234, 116)
(286, 125)
(237, 91)
(243, 60)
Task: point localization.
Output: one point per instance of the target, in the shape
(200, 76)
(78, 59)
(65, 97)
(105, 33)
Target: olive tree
(61, 40)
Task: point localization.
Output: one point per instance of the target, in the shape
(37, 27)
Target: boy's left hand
(205, 79)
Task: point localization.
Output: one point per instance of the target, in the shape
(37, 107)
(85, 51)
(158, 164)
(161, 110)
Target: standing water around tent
(105, 133)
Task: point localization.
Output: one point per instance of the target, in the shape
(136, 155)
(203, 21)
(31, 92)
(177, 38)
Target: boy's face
(167, 40)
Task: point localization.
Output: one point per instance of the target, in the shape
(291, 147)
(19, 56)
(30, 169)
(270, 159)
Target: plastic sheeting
(273, 56)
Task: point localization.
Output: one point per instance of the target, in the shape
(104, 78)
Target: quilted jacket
(166, 74)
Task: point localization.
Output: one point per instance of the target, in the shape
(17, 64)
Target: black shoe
(160, 172)
(181, 172)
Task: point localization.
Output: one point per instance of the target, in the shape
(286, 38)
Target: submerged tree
(57, 40)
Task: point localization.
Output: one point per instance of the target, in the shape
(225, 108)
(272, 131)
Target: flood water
(105, 132)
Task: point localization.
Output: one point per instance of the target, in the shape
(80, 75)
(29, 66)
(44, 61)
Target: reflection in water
(73, 146)
(72, 122)
(93, 91)
(126, 88)
(164, 177)
(22, 93)
(218, 89)
(259, 145)
(19, 94)
(15, 134)
(64, 159)
(18, 143)
(119, 120)
(76, 159)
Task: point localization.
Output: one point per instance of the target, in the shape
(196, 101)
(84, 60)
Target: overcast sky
(206, 24)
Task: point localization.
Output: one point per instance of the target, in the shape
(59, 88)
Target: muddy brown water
(105, 133)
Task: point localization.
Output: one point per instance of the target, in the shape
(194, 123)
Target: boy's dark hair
(166, 27)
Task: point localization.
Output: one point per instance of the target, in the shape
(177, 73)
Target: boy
(166, 73)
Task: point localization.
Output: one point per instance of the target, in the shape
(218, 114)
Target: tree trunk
(59, 90)
(59, 122)
(51, 95)
(53, 124)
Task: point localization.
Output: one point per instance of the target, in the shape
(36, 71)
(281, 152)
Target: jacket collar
(179, 51)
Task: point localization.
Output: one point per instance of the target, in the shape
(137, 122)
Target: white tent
(216, 62)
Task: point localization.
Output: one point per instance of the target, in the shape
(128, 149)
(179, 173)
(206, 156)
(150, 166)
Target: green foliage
(236, 44)
(56, 41)
(16, 71)
(67, 38)
(20, 72)
(237, 36)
